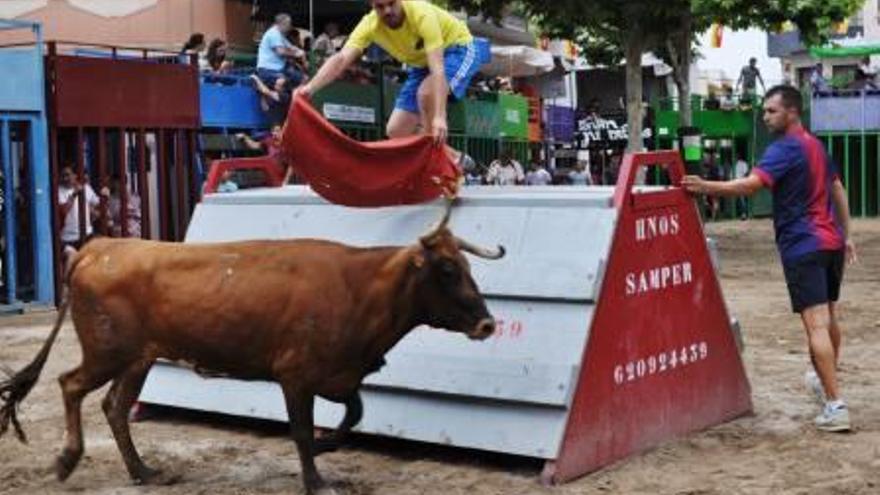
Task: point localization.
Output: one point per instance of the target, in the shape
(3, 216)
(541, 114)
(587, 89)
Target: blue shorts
(460, 62)
(814, 278)
(292, 74)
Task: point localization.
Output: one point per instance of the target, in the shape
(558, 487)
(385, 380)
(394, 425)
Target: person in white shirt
(68, 203)
(325, 44)
(579, 176)
(276, 55)
(538, 175)
(866, 74)
(741, 170)
(505, 171)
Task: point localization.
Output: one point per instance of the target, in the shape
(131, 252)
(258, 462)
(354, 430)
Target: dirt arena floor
(775, 451)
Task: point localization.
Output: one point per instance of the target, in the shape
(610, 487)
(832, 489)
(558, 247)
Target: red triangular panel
(660, 359)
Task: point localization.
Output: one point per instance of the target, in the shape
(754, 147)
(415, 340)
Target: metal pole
(43, 192)
(122, 189)
(846, 181)
(143, 186)
(864, 172)
(9, 230)
(312, 19)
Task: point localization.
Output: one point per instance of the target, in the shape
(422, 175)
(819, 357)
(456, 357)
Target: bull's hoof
(65, 464)
(325, 491)
(155, 477)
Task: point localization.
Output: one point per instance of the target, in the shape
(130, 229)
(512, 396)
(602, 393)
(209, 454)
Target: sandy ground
(774, 451)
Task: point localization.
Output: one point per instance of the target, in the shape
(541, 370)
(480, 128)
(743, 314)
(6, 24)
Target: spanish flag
(716, 35)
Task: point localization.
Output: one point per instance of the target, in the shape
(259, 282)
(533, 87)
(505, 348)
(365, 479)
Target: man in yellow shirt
(440, 53)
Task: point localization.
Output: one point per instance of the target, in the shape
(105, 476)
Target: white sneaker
(814, 385)
(834, 417)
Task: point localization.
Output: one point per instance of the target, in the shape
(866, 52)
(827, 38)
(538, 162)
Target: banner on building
(608, 131)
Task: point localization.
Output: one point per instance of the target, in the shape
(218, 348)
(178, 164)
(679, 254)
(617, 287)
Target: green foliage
(813, 18)
(600, 26)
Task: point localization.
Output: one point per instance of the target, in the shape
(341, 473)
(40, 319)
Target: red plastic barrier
(661, 359)
(266, 165)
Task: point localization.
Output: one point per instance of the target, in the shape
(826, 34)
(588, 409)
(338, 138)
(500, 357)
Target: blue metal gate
(27, 273)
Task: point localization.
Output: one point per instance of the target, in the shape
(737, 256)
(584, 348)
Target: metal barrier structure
(848, 123)
(128, 123)
(732, 127)
(612, 333)
(230, 102)
(27, 275)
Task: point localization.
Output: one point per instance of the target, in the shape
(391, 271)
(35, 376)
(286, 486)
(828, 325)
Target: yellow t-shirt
(425, 28)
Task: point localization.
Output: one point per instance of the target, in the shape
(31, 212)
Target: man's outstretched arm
(329, 71)
(440, 90)
(731, 188)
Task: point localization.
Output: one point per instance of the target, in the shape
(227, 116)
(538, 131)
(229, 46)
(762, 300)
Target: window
(843, 74)
(803, 76)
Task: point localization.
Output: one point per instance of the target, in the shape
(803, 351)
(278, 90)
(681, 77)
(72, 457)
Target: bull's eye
(449, 268)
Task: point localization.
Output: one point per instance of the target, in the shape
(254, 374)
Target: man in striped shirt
(811, 218)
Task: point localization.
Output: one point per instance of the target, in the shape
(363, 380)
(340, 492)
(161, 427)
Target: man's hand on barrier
(303, 90)
(439, 130)
(694, 184)
(449, 189)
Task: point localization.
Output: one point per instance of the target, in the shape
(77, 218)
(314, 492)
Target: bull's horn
(443, 221)
(482, 252)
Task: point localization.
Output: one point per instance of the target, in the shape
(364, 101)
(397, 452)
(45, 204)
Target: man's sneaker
(466, 163)
(834, 417)
(814, 386)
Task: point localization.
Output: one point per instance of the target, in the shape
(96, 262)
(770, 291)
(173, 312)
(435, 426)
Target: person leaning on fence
(579, 176)
(298, 61)
(818, 83)
(436, 46)
(866, 75)
(811, 219)
(325, 45)
(538, 175)
(270, 145)
(274, 101)
(216, 57)
(69, 189)
(748, 76)
(195, 44)
(505, 171)
(132, 210)
(276, 56)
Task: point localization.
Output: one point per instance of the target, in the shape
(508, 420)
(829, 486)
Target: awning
(836, 51)
(518, 61)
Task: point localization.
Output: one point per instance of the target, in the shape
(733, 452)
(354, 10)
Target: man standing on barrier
(811, 219)
(440, 53)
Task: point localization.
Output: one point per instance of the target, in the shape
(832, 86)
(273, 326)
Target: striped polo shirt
(797, 169)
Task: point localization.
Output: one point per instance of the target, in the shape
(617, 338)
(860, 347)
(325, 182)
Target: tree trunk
(635, 45)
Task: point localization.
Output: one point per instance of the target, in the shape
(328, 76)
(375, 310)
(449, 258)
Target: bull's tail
(17, 386)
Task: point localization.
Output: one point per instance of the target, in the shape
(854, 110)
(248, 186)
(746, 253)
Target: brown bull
(315, 316)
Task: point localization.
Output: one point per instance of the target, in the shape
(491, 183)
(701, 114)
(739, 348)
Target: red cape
(398, 171)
